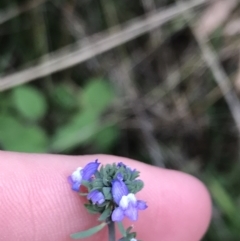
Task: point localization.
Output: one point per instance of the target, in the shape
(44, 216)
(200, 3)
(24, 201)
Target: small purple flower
(129, 207)
(127, 203)
(119, 188)
(90, 170)
(121, 164)
(75, 179)
(96, 197)
(81, 174)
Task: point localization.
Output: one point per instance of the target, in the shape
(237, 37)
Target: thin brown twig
(100, 43)
(221, 79)
(155, 36)
(220, 76)
(209, 22)
(7, 15)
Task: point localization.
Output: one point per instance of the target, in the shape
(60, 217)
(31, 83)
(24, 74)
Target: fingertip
(196, 208)
(179, 207)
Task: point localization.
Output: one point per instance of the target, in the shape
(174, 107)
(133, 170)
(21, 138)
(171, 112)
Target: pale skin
(37, 203)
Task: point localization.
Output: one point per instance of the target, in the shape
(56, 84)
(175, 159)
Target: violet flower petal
(124, 203)
(77, 175)
(89, 170)
(131, 198)
(69, 178)
(131, 212)
(121, 164)
(76, 186)
(119, 189)
(96, 197)
(141, 205)
(117, 215)
(125, 200)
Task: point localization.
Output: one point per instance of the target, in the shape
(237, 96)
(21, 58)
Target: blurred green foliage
(22, 119)
(29, 102)
(17, 136)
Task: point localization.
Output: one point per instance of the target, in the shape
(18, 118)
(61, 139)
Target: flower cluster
(127, 204)
(111, 191)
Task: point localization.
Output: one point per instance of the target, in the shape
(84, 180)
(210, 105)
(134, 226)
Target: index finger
(37, 202)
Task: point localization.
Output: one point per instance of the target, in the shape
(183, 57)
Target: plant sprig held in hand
(111, 193)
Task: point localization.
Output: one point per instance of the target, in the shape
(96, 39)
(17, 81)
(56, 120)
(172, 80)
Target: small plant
(111, 193)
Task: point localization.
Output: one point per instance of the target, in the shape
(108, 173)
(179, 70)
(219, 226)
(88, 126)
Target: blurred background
(153, 80)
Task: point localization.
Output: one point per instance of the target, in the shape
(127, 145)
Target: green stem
(111, 231)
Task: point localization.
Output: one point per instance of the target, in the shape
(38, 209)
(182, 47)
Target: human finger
(38, 204)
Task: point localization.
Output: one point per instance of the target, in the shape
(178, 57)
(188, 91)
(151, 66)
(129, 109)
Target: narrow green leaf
(135, 175)
(129, 229)
(106, 190)
(97, 174)
(105, 214)
(93, 209)
(222, 198)
(107, 193)
(136, 186)
(97, 183)
(105, 182)
(89, 232)
(122, 229)
(132, 235)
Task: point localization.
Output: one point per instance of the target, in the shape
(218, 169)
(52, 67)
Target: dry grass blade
(237, 80)
(209, 21)
(150, 6)
(72, 55)
(7, 15)
(222, 80)
(232, 28)
(218, 72)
